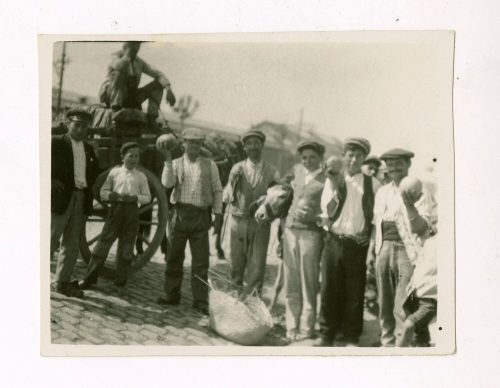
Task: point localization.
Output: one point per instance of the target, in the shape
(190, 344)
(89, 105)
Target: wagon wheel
(158, 223)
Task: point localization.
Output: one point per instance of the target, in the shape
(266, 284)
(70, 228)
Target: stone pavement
(110, 316)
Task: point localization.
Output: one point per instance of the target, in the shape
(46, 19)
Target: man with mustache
(197, 192)
(347, 206)
(249, 240)
(401, 222)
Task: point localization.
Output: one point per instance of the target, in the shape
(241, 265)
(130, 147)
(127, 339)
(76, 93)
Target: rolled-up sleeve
(107, 187)
(144, 195)
(216, 188)
(168, 175)
(156, 74)
(326, 197)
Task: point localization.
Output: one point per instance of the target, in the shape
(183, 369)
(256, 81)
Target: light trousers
(249, 241)
(69, 225)
(301, 258)
(393, 272)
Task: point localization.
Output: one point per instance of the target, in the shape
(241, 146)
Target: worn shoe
(168, 301)
(86, 283)
(323, 342)
(69, 289)
(201, 308)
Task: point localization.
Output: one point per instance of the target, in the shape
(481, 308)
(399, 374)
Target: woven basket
(246, 323)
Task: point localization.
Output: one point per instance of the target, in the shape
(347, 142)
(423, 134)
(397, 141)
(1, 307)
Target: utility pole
(61, 75)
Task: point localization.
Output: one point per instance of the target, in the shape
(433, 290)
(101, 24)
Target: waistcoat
(245, 194)
(367, 203)
(305, 194)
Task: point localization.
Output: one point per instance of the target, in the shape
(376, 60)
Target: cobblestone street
(110, 316)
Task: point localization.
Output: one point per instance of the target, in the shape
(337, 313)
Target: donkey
(275, 204)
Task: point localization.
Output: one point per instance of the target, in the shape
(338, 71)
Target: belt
(78, 189)
(342, 237)
(188, 206)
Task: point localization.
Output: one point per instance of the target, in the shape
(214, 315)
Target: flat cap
(397, 153)
(78, 114)
(360, 142)
(312, 145)
(253, 133)
(373, 159)
(193, 134)
(126, 146)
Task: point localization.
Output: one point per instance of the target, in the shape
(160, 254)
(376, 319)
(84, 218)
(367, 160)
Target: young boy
(125, 188)
(422, 293)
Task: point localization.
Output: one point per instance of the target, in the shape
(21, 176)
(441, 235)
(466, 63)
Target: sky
(395, 90)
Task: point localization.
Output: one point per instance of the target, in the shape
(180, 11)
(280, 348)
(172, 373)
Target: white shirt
(123, 181)
(79, 162)
(389, 206)
(311, 175)
(424, 278)
(351, 220)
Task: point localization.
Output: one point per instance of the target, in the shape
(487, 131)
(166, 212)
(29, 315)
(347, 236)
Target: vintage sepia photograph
(248, 193)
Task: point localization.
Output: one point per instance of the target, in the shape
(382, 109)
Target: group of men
(340, 218)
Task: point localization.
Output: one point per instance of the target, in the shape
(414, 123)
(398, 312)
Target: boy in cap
(347, 203)
(303, 242)
(126, 188)
(401, 223)
(74, 168)
(121, 87)
(248, 181)
(197, 192)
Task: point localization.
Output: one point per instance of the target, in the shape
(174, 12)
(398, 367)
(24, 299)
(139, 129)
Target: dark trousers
(122, 224)
(342, 288)
(189, 223)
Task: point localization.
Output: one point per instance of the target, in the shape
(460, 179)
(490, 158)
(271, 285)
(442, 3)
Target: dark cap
(373, 159)
(125, 147)
(397, 153)
(312, 145)
(78, 114)
(193, 134)
(253, 133)
(360, 142)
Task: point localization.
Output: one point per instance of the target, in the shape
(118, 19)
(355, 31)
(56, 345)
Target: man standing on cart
(121, 87)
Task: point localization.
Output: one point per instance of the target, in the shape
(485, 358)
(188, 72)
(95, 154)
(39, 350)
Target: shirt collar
(256, 165)
(350, 178)
(126, 169)
(74, 141)
(314, 173)
(186, 158)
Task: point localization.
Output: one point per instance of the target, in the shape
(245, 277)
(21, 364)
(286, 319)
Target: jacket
(62, 169)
